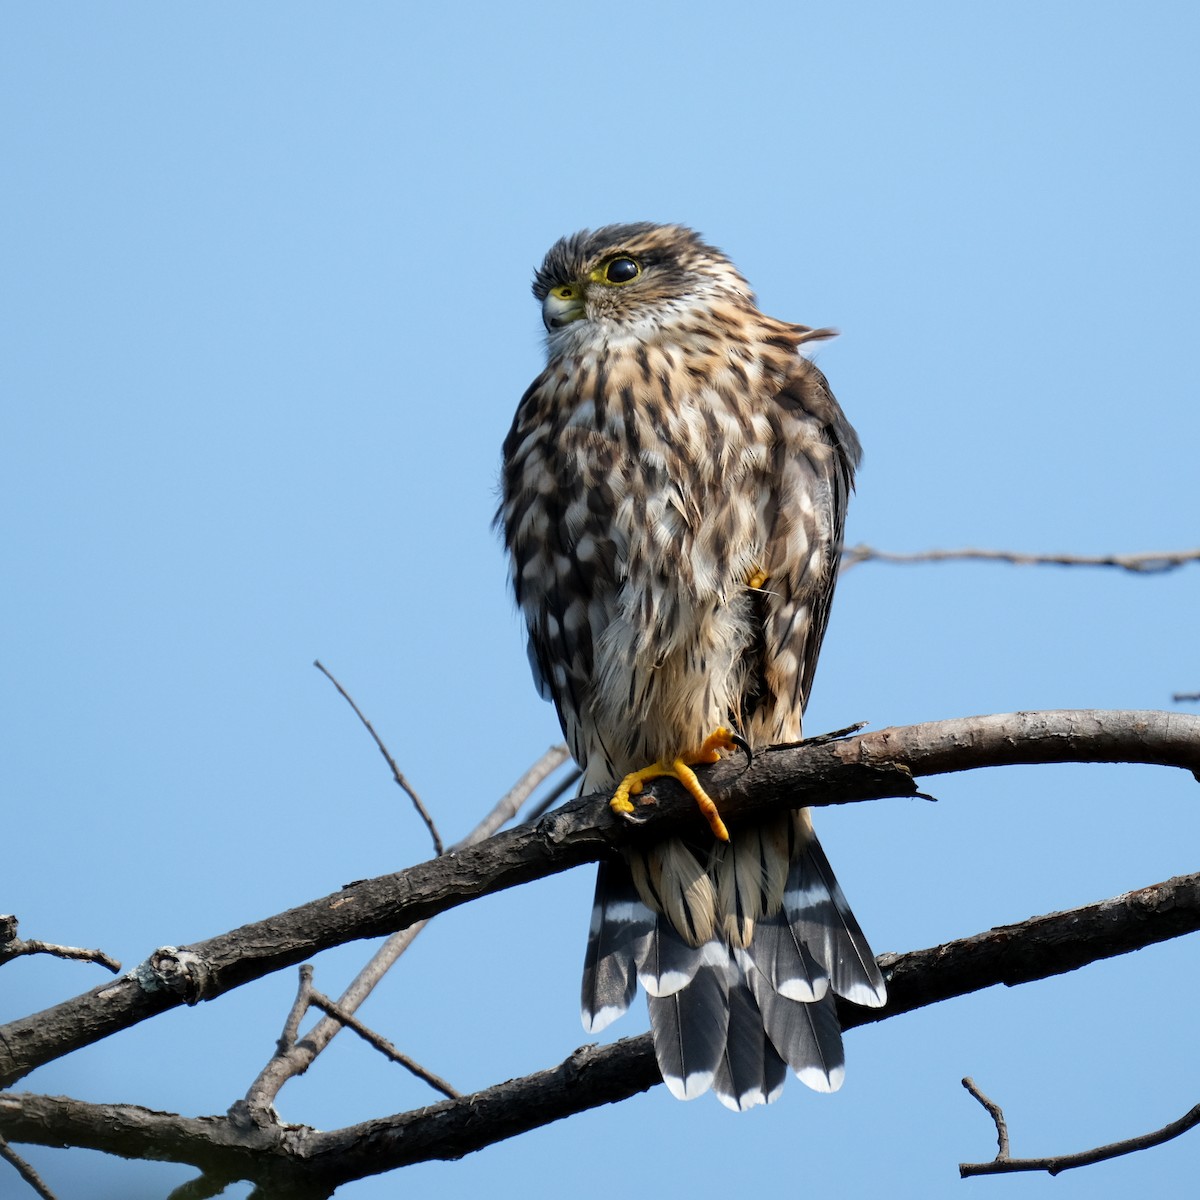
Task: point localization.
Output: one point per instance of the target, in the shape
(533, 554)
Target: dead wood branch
(1004, 1164)
(298, 1055)
(1139, 564)
(869, 766)
(25, 1170)
(397, 774)
(996, 1113)
(12, 947)
(381, 1044)
(283, 1157)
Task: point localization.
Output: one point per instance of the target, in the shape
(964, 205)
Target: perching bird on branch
(674, 492)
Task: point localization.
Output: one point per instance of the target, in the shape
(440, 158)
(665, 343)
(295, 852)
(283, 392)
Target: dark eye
(622, 270)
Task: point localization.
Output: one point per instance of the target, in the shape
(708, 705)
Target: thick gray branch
(869, 766)
(280, 1159)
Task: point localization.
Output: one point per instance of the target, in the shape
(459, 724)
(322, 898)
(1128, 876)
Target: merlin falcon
(673, 498)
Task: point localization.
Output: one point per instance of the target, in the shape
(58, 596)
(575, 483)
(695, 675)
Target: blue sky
(266, 319)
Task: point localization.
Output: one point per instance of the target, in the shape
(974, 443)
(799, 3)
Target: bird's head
(631, 279)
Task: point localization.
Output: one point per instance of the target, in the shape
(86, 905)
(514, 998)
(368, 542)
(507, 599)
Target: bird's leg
(681, 769)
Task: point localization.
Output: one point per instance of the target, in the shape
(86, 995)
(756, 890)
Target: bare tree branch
(12, 947)
(203, 1187)
(291, 1027)
(296, 1058)
(510, 803)
(870, 766)
(996, 1113)
(1003, 1164)
(381, 1044)
(397, 774)
(1139, 564)
(25, 1170)
(284, 1157)
(556, 793)
(1180, 697)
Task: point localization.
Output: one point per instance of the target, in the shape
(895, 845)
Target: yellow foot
(681, 769)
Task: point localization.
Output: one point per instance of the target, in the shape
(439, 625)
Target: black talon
(743, 745)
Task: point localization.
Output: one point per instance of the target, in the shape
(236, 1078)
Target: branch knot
(177, 971)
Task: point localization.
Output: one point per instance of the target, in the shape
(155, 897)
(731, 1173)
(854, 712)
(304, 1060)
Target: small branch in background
(1002, 1164)
(555, 794)
(291, 1027)
(397, 774)
(997, 1115)
(510, 803)
(1186, 697)
(1139, 564)
(25, 1171)
(339, 1014)
(12, 947)
(299, 1056)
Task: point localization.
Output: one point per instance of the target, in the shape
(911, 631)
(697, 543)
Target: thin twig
(1139, 564)
(296, 1059)
(397, 774)
(1182, 697)
(291, 1027)
(12, 947)
(821, 739)
(1002, 1164)
(323, 1002)
(33, 946)
(555, 794)
(997, 1115)
(25, 1171)
(510, 803)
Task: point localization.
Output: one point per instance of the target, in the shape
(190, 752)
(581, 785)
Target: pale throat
(665, 322)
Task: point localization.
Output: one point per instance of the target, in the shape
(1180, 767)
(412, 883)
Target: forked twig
(1054, 1164)
(295, 1058)
(397, 774)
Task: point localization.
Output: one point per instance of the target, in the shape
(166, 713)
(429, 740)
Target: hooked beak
(562, 305)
